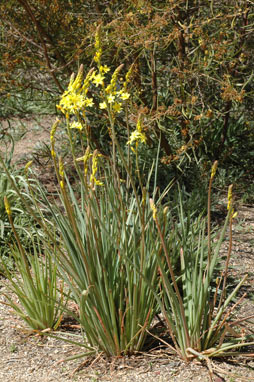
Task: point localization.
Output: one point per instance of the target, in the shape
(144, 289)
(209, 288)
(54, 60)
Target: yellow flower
(233, 214)
(89, 102)
(136, 136)
(7, 206)
(127, 77)
(76, 125)
(139, 125)
(28, 165)
(111, 88)
(103, 105)
(97, 46)
(97, 56)
(85, 159)
(93, 179)
(104, 69)
(111, 98)
(61, 168)
(53, 130)
(87, 81)
(230, 196)
(76, 84)
(153, 208)
(125, 96)
(52, 137)
(74, 98)
(117, 107)
(71, 102)
(98, 79)
(214, 168)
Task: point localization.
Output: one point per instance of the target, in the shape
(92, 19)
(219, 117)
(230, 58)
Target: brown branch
(56, 51)
(225, 127)
(29, 11)
(181, 48)
(164, 143)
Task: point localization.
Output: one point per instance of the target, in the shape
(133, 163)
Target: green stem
(187, 337)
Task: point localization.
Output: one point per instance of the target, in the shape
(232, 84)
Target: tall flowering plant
(196, 306)
(106, 231)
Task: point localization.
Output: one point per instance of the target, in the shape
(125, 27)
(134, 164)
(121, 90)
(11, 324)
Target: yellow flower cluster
(72, 103)
(75, 99)
(230, 199)
(137, 135)
(114, 97)
(230, 196)
(97, 45)
(93, 179)
(53, 130)
(52, 137)
(27, 166)
(98, 79)
(61, 172)
(154, 209)
(7, 206)
(214, 168)
(85, 158)
(127, 78)
(112, 87)
(76, 125)
(61, 168)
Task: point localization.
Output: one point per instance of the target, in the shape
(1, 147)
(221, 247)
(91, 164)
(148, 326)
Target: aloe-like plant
(108, 247)
(36, 283)
(105, 240)
(195, 304)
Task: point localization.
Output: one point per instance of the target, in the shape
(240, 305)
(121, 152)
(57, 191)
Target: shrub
(191, 80)
(36, 283)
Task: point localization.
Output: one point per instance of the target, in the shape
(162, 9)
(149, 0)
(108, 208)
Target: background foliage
(192, 81)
